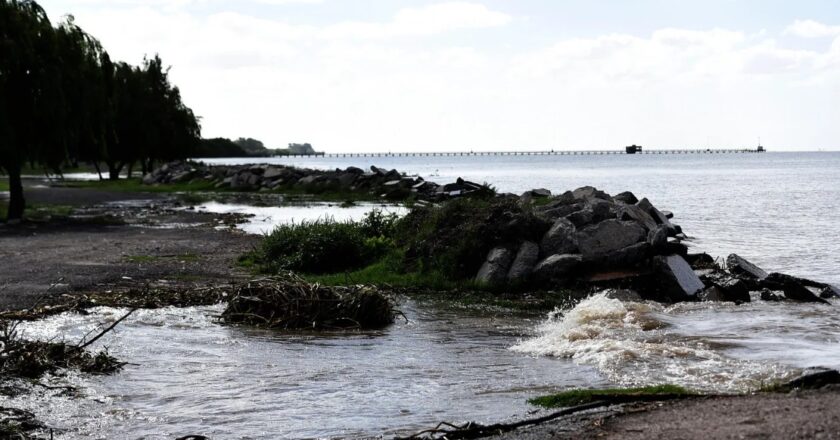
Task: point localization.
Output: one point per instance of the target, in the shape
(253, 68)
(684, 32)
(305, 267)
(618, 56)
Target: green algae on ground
(581, 396)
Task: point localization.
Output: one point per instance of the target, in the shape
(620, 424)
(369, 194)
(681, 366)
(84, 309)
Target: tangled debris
(289, 302)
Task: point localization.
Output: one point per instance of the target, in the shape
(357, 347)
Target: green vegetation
(136, 185)
(64, 101)
(324, 246)
(581, 396)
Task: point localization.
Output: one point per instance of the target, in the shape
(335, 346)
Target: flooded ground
(444, 364)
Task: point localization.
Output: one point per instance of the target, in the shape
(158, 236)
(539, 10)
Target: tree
(32, 105)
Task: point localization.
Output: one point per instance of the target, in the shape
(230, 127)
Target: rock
(830, 291)
(712, 294)
(658, 238)
(626, 197)
(377, 171)
(587, 192)
(700, 261)
(733, 290)
(668, 214)
(601, 209)
(769, 295)
(623, 258)
(557, 267)
(273, 173)
(560, 239)
(307, 180)
(679, 280)
(524, 262)
(624, 295)
(495, 268)
(661, 219)
(607, 237)
(793, 289)
(354, 170)
(557, 212)
(149, 179)
(741, 267)
(345, 180)
(637, 214)
(674, 247)
(814, 378)
(581, 218)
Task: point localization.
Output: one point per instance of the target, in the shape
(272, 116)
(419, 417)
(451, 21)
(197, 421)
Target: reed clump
(288, 302)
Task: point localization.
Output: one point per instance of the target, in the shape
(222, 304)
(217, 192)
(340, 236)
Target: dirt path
(81, 257)
(796, 415)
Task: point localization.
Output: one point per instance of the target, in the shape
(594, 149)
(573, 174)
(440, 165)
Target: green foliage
(581, 396)
(455, 237)
(324, 246)
(62, 100)
(220, 147)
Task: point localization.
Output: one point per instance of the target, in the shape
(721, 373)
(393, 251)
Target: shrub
(325, 246)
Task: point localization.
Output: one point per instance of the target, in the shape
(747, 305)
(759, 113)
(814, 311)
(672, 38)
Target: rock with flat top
(738, 265)
(679, 281)
(587, 192)
(638, 215)
(626, 197)
(608, 236)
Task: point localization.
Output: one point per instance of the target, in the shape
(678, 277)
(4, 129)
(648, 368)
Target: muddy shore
(57, 257)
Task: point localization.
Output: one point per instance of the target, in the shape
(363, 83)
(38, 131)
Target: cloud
(811, 29)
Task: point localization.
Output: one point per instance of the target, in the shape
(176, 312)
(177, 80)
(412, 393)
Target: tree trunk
(130, 169)
(16, 201)
(98, 170)
(114, 170)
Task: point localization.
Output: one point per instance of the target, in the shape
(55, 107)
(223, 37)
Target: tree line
(63, 101)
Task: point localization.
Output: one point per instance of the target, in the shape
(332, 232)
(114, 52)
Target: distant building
(633, 149)
(301, 149)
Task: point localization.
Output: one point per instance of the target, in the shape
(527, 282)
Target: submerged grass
(581, 396)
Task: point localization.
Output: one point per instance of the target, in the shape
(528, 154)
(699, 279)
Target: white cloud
(811, 29)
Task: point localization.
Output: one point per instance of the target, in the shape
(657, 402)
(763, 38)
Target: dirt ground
(795, 415)
(50, 258)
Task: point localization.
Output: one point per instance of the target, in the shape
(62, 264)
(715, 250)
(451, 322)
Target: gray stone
(712, 293)
(149, 179)
(627, 257)
(581, 218)
(560, 239)
(557, 267)
(626, 197)
(733, 290)
(608, 236)
(792, 287)
(741, 267)
(524, 262)
(495, 268)
(601, 209)
(661, 219)
(557, 212)
(587, 192)
(354, 170)
(273, 173)
(347, 179)
(645, 205)
(658, 238)
(679, 280)
(638, 215)
(668, 214)
(307, 180)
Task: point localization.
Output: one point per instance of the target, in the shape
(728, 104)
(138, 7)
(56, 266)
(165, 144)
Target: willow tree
(32, 106)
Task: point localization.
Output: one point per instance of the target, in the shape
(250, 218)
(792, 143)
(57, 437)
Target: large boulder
(557, 267)
(830, 291)
(607, 237)
(560, 239)
(627, 257)
(638, 215)
(741, 267)
(626, 197)
(793, 288)
(658, 238)
(588, 192)
(524, 262)
(495, 268)
(678, 280)
(733, 290)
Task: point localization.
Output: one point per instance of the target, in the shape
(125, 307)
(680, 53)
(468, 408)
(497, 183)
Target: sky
(412, 75)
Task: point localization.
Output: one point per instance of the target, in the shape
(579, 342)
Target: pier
(540, 153)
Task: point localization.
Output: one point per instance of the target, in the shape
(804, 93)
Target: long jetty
(535, 153)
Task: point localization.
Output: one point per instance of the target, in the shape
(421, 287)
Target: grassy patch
(581, 396)
(136, 185)
(324, 246)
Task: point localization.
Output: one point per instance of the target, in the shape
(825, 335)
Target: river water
(190, 375)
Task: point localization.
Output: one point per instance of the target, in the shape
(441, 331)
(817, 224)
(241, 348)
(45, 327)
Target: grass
(582, 396)
(136, 185)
